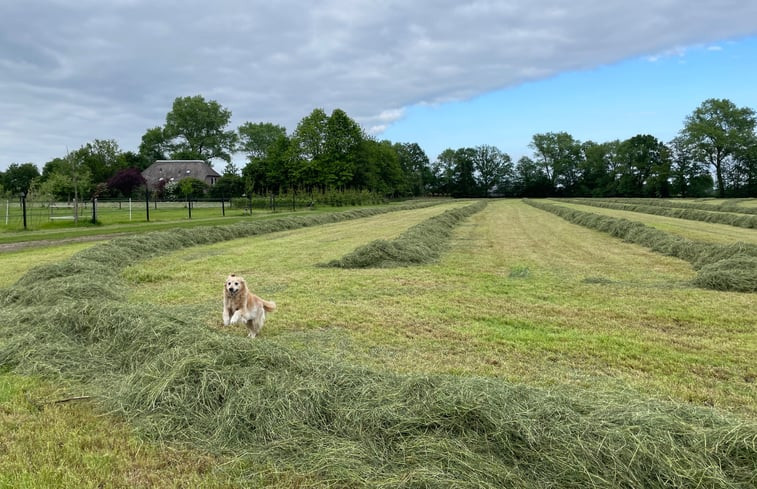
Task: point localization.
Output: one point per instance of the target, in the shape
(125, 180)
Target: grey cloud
(77, 70)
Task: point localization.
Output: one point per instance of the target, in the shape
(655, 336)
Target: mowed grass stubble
(521, 295)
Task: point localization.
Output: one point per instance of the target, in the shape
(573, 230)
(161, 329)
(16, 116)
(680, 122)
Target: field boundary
(721, 267)
(419, 244)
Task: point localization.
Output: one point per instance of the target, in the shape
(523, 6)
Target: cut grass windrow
(713, 215)
(720, 267)
(422, 243)
(340, 425)
(727, 205)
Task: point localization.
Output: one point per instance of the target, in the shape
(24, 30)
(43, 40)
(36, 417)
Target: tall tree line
(715, 153)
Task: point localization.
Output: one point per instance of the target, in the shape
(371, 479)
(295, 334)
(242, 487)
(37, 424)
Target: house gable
(177, 170)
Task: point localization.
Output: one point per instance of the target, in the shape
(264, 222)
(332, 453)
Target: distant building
(177, 170)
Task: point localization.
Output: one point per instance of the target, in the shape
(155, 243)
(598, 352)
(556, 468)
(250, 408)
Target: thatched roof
(175, 170)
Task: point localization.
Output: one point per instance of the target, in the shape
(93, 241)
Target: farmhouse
(176, 170)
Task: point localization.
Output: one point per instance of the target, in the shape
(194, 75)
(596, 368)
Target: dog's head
(234, 284)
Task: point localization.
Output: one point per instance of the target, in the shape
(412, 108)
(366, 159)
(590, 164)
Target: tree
(559, 156)
(746, 170)
(229, 185)
(530, 179)
(192, 187)
(255, 139)
(342, 142)
(598, 169)
(19, 177)
(378, 167)
(491, 167)
(690, 177)
(415, 166)
(196, 129)
(717, 130)
(309, 144)
(102, 158)
(646, 167)
(126, 180)
(464, 179)
(443, 170)
(154, 145)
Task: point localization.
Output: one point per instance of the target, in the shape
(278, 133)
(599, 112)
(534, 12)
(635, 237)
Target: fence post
(129, 208)
(7, 210)
(147, 202)
(94, 210)
(189, 206)
(23, 205)
(223, 208)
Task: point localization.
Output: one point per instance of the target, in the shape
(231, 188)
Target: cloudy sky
(439, 73)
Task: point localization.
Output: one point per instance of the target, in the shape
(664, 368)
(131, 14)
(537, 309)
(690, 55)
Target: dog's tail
(269, 306)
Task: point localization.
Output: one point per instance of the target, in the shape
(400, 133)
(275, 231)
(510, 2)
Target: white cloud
(73, 71)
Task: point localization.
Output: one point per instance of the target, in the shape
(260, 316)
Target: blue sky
(442, 73)
(644, 95)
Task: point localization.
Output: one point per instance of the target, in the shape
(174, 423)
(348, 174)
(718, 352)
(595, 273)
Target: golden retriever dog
(239, 304)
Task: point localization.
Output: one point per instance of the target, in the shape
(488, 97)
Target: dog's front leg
(225, 316)
(236, 317)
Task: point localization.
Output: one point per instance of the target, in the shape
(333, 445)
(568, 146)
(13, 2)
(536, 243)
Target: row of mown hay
(728, 205)
(711, 215)
(721, 267)
(294, 415)
(419, 244)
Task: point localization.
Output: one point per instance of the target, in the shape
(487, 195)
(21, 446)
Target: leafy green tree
(746, 172)
(443, 170)
(229, 185)
(309, 145)
(378, 168)
(559, 156)
(154, 145)
(103, 158)
(464, 178)
(416, 167)
(341, 145)
(492, 167)
(718, 131)
(531, 180)
(130, 159)
(598, 169)
(18, 178)
(646, 167)
(192, 187)
(282, 165)
(690, 177)
(197, 129)
(255, 139)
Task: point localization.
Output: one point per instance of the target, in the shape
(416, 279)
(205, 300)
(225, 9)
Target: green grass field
(694, 230)
(521, 297)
